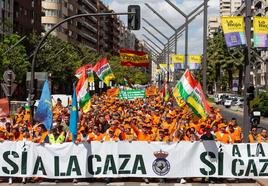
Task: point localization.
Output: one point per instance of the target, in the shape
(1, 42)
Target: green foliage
(135, 74)
(221, 59)
(16, 59)
(263, 105)
(60, 59)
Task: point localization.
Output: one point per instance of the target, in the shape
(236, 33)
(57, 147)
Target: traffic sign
(8, 76)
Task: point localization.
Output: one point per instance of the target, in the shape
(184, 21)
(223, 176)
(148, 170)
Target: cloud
(172, 16)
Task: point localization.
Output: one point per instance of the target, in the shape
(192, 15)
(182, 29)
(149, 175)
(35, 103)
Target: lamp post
(31, 88)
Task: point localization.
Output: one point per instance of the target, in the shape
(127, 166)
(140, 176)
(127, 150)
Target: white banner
(136, 159)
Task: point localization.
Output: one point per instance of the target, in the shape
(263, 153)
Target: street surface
(227, 114)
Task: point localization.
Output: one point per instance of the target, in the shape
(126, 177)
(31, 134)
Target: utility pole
(245, 125)
(204, 63)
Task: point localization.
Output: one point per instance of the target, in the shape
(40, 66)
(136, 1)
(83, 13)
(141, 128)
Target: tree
(220, 58)
(136, 74)
(16, 59)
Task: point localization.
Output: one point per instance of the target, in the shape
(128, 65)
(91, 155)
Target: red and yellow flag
(134, 58)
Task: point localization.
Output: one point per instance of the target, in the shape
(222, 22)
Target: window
(54, 13)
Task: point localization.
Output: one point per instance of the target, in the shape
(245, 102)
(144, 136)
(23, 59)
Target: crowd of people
(112, 119)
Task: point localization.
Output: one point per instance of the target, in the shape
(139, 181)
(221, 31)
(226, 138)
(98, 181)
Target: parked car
(229, 100)
(218, 98)
(239, 102)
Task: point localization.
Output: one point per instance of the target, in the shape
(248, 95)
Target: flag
(73, 117)
(79, 71)
(44, 110)
(134, 58)
(194, 62)
(206, 105)
(234, 30)
(260, 32)
(186, 84)
(104, 71)
(178, 61)
(194, 100)
(151, 91)
(83, 96)
(89, 71)
(90, 76)
(4, 107)
(176, 94)
(187, 87)
(113, 92)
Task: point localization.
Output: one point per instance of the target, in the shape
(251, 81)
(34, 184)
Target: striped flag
(89, 71)
(82, 93)
(104, 71)
(189, 91)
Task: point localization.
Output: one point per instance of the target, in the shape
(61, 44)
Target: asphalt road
(228, 114)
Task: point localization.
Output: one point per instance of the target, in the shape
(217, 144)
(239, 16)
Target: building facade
(228, 7)
(101, 34)
(20, 16)
(213, 25)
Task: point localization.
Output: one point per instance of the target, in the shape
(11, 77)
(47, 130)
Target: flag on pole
(206, 105)
(178, 61)
(194, 62)
(104, 71)
(44, 110)
(73, 117)
(188, 90)
(89, 71)
(83, 96)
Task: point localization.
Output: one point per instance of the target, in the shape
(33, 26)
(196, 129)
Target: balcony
(87, 36)
(90, 5)
(90, 27)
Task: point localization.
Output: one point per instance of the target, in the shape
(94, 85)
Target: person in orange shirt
(128, 134)
(143, 134)
(238, 131)
(82, 135)
(95, 135)
(262, 137)
(164, 136)
(26, 135)
(110, 136)
(253, 135)
(222, 135)
(3, 136)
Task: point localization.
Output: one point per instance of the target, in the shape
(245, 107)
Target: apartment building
(228, 7)
(20, 16)
(100, 34)
(213, 25)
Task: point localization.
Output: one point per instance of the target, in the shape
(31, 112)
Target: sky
(172, 16)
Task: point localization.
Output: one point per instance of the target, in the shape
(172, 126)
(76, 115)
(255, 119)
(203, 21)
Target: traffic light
(134, 21)
(250, 93)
